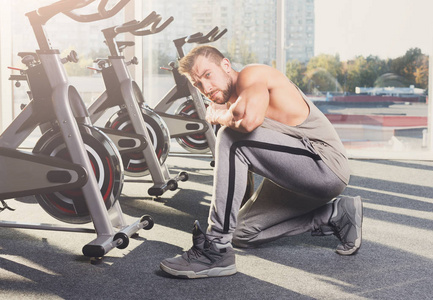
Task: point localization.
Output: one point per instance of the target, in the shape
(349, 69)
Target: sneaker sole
(214, 272)
(358, 219)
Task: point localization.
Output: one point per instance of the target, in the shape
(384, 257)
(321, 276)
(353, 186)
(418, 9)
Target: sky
(384, 28)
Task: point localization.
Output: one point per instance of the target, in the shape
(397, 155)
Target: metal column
(281, 51)
(430, 105)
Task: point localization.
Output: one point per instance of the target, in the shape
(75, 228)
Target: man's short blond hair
(187, 62)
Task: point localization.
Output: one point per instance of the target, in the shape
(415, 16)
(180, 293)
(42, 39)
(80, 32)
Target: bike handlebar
(154, 29)
(134, 27)
(47, 12)
(194, 36)
(198, 38)
(67, 6)
(211, 36)
(216, 37)
(102, 13)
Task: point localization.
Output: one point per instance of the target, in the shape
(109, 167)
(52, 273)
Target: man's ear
(226, 65)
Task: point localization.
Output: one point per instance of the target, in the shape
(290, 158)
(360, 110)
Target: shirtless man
(271, 128)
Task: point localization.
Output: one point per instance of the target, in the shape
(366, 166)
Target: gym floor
(394, 262)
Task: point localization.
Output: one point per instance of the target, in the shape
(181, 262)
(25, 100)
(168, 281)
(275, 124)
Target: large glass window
(364, 63)
(250, 36)
(370, 74)
(361, 62)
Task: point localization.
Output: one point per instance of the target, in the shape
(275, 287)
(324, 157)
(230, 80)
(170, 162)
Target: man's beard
(228, 91)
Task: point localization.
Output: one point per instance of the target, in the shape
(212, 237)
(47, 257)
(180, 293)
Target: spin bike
(132, 120)
(74, 171)
(187, 125)
(193, 109)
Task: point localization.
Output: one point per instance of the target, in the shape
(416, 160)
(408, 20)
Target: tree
(413, 66)
(295, 72)
(363, 72)
(323, 73)
(421, 72)
(421, 76)
(327, 73)
(390, 79)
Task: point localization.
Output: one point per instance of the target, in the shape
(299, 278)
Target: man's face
(212, 79)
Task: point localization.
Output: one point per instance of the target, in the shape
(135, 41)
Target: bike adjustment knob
(72, 57)
(134, 61)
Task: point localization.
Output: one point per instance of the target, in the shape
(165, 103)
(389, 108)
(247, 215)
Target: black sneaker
(346, 222)
(206, 258)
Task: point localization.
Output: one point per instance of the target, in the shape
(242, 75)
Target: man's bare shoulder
(256, 68)
(257, 73)
(261, 71)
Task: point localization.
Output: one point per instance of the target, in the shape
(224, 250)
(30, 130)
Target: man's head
(208, 70)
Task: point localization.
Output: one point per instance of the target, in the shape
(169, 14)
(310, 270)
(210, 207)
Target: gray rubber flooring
(395, 261)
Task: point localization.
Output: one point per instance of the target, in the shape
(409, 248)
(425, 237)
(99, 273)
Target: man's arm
(248, 111)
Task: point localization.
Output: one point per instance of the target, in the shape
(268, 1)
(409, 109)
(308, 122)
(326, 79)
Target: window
(374, 89)
(366, 68)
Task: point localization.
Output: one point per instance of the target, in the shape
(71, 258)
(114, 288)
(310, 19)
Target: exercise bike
(200, 141)
(132, 120)
(187, 125)
(74, 170)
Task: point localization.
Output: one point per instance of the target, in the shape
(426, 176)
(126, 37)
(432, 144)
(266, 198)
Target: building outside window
(349, 57)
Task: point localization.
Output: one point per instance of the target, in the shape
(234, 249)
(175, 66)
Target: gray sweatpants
(294, 198)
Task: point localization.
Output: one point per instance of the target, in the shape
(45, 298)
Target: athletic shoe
(323, 230)
(346, 222)
(206, 258)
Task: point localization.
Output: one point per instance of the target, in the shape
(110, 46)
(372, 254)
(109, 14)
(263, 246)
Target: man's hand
(214, 112)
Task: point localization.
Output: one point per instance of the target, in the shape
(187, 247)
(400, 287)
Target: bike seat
(24, 54)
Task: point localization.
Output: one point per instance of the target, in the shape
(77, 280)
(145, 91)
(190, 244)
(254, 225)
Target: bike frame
(61, 107)
(126, 98)
(184, 88)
